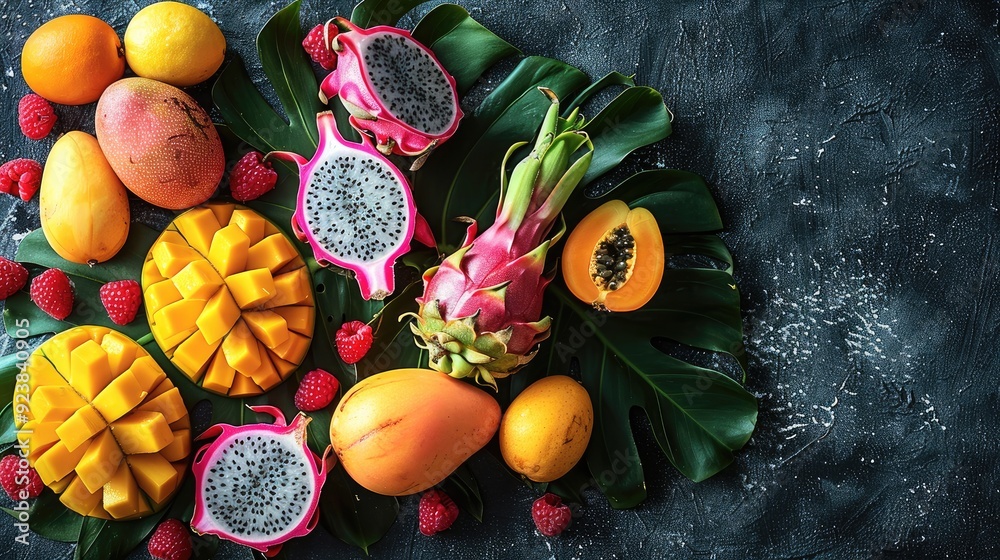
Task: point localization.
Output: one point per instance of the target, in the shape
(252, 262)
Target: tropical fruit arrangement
(325, 312)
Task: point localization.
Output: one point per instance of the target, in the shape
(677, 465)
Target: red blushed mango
(160, 142)
(613, 260)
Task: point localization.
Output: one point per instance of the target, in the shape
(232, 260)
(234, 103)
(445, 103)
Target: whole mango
(405, 430)
(83, 205)
(160, 142)
(547, 428)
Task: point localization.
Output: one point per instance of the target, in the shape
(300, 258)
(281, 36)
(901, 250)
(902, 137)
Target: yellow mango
(284, 368)
(179, 448)
(269, 327)
(265, 376)
(77, 498)
(143, 431)
(178, 317)
(100, 462)
(147, 373)
(405, 430)
(219, 376)
(192, 356)
(170, 404)
(59, 486)
(119, 397)
(299, 318)
(294, 349)
(198, 225)
(121, 494)
(84, 424)
(170, 258)
(58, 462)
(547, 428)
(272, 253)
(293, 288)
(240, 349)
(155, 475)
(243, 386)
(197, 280)
(40, 437)
(83, 205)
(58, 349)
(54, 403)
(151, 274)
(251, 288)
(223, 211)
(219, 315)
(250, 222)
(41, 372)
(160, 295)
(90, 370)
(230, 247)
(121, 351)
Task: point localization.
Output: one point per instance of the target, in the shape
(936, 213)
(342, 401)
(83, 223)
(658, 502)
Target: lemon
(174, 43)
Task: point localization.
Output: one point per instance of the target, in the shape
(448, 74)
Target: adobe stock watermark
(20, 408)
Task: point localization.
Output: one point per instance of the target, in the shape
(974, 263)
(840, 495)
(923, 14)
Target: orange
(71, 59)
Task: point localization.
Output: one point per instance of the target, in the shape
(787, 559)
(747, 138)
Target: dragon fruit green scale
(480, 313)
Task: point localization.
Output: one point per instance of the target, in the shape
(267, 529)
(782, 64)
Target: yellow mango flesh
(229, 299)
(403, 431)
(155, 475)
(83, 205)
(107, 402)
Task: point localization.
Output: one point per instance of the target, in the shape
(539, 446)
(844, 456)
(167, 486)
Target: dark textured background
(853, 149)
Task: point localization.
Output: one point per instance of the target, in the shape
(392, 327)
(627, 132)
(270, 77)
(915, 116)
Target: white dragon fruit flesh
(354, 208)
(259, 484)
(480, 313)
(394, 88)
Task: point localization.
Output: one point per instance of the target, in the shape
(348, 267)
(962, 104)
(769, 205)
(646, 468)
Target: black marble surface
(853, 149)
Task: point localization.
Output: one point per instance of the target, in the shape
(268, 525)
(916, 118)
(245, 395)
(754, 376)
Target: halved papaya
(613, 260)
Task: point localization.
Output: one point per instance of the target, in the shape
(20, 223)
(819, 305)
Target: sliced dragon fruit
(394, 87)
(259, 484)
(354, 208)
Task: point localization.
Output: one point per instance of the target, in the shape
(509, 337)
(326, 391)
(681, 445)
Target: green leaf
(101, 539)
(636, 118)
(8, 431)
(35, 252)
(370, 13)
(353, 514)
(10, 367)
(609, 79)
(462, 487)
(393, 346)
(464, 47)
(49, 518)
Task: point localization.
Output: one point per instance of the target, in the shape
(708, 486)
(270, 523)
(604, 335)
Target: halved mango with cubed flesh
(236, 301)
(90, 430)
(614, 258)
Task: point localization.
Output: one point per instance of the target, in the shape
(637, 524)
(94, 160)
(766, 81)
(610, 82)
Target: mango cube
(272, 253)
(155, 475)
(265, 376)
(292, 288)
(83, 425)
(169, 404)
(284, 368)
(223, 211)
(151, 274)
(177, 317)
(119, 397)
(197, 280)
(230, 247)
(299, 318)
(147, 373)
(179, 448)
(219, 376)
(294, 349)
(121, 351)
(269, 327)
(77, 498)
(192, 356)
(170, 258)
(251, 288)
(240, 349)
(40, 437)
(160, 295)
(58, 462)
(121, 493)
(243, 386)
(90, 370)
(250, 222)
(54, 403)
(220, 314)
(143, 431)
(197, 226)
(100, 462)
(58, 348)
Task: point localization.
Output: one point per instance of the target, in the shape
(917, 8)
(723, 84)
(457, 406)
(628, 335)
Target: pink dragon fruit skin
(480, 313)
(352, 204)
(219, 486)
(405, 126)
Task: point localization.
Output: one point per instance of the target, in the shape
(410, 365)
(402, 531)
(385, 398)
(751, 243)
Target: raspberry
(316, 390)
(35, 116)
(20, 481)
(171, 541)
(121, 299)
(52, 292)
(551, 515)
(252, 177)
(437, 512)
(21, 177)
(317, 44)
(354, 339)
(13, 277)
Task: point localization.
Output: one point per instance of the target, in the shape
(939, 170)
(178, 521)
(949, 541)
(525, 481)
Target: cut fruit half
(225, 291)
(104, 427)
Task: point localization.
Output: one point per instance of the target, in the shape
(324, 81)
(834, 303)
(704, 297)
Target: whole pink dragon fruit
(259, 484)
(394, 87)
(354, 208)
(480, 311)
